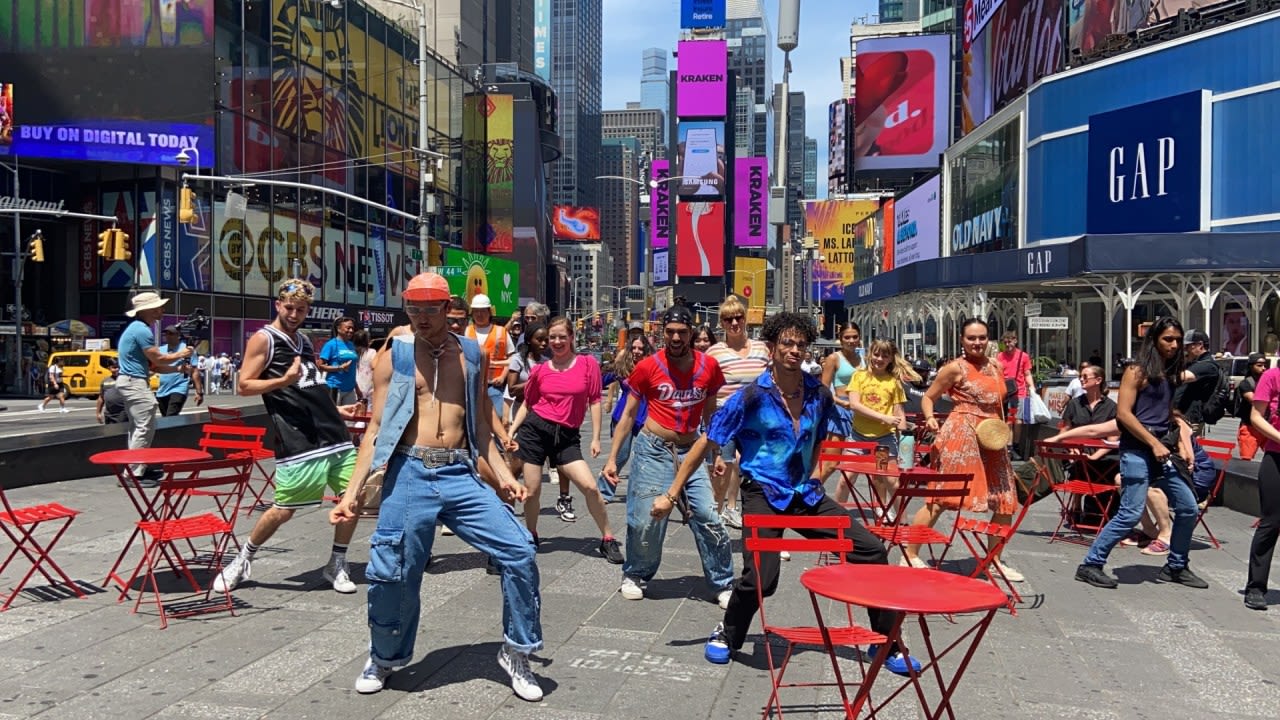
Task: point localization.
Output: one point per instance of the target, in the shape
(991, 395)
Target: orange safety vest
(497, 351)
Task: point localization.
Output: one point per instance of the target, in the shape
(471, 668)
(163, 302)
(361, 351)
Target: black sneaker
(1183, 576)
(610, 550)
(1255, 599)
(1096, 577)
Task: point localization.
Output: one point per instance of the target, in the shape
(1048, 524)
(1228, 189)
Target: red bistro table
(122, 462)
(856, 465)
(906, 591)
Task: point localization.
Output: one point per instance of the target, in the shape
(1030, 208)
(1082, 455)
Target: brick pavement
(1145, 650)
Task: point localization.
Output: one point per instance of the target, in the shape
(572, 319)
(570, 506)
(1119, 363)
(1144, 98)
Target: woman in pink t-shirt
(1266, 420)
(556, 399)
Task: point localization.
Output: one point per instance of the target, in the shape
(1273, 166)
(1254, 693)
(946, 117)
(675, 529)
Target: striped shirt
(739, 370)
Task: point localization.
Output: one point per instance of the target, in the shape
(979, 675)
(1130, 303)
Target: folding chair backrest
(226, 478)
(1222, 456)
(756, 545)
(933, 485)
(1210, 445)
(231, 438)
(837, 451)
(226, 415)
(1061, 451)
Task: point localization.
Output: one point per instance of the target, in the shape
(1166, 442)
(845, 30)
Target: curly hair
(782, 322)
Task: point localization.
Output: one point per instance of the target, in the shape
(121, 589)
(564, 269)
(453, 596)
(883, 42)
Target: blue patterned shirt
(773, 454)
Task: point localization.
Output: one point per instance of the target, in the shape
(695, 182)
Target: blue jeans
(495, 397)
(1138, 470)
(652, 469)
(607, 491)
(414, 497)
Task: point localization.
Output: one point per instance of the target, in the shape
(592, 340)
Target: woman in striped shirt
(741, 360)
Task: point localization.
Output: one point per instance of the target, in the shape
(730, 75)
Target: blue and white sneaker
(897, 662)
(717, 650)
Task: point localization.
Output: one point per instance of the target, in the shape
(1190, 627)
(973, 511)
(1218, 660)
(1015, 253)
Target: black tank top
(1153, 408)
(306, 422)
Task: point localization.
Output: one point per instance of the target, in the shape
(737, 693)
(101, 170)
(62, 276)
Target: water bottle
(907, 450)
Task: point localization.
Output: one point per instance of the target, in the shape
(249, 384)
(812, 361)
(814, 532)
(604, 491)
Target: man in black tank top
(312, 444)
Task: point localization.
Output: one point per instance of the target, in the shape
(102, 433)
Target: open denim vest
(401, 401)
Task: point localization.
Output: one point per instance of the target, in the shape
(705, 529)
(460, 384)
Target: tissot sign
(1148, 168)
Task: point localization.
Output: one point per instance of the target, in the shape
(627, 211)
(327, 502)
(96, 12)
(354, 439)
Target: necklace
(435, 351)
(788, 395)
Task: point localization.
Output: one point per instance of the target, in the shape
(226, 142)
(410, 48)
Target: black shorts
(541, 439)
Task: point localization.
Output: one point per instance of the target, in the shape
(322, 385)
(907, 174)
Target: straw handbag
(993, 434)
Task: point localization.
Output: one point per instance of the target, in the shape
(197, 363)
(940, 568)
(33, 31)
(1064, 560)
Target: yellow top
(880, 394)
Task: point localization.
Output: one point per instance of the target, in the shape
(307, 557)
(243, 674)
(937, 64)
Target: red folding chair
(242, 441)
(986, 540)
(225, 415)
(20, 525)
(1052, 458)
(357, 427)
(227, 478)
(1219, 451)
(831, 455)
(764, 535)
(929, 487)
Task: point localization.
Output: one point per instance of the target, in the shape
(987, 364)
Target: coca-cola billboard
(1022, 43)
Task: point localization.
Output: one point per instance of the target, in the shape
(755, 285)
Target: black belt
(434, 457)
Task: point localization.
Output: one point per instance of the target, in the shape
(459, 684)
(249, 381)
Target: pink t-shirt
(1268, 391)
(563, 396)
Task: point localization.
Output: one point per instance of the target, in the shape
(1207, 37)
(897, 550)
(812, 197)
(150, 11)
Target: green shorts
(302, 483)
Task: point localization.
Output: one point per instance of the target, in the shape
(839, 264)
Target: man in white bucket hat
(139, 354)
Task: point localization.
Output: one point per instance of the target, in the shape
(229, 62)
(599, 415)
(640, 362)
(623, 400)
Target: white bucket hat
(146, 301)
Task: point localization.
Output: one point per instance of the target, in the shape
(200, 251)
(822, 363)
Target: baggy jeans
(1138, 471)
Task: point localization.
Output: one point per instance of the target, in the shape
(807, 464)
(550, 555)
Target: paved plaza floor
(1145, 650)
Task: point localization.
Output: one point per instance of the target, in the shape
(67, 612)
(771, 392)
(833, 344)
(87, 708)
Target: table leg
(978, 631)
(892, 639)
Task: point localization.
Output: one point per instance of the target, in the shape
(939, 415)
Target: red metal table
(122, 462)
(906, 591)
(856, 465)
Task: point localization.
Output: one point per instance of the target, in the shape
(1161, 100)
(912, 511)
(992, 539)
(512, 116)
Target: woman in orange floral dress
(975, 384)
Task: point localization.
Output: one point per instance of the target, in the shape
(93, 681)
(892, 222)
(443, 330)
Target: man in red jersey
(680, 384)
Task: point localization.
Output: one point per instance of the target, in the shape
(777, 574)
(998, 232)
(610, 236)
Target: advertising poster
(700, 159)
(542, 39)
(884, 235)
(703, 67)
(751, 202)
(496, 234)
(87, 265)
(148, 246)
(470, 274)
(349, 270)
(123, 206)
(833, 224)
(1023, 42)
(917, 219)
(750, 278)
(660, 205)
(575, 223)
(661, 270)
(1093, 24)
(195, 248)
(868, 255)
(166, 230)
(6, 118)
(837, 149)
(700, 239)
(984, 193)
(902, 109)
(702, 13)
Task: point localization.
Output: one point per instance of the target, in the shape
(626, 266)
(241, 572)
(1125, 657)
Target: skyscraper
(810, 168)
(899, 10)
(795, 158)
(750, 57)
(643, 124)
(655, 84)
(472, 32)
(575, 77)
(744, 121)
(620, 208)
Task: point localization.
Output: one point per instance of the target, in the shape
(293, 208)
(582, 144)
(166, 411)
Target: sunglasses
(456, 320)
(416, 310)
(732, 319)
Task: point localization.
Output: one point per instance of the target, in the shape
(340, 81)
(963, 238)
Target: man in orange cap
(430, 427)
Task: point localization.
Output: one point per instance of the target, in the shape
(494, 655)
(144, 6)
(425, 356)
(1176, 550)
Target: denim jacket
(398, 409)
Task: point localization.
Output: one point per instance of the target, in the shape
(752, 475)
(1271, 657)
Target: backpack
(1217, 405)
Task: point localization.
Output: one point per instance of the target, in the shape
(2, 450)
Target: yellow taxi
(84, 370)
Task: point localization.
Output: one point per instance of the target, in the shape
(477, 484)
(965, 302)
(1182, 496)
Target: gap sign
(1148, 167)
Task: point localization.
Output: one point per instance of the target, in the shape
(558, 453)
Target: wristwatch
(669, 498)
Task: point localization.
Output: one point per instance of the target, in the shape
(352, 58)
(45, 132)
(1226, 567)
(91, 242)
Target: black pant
(1264, 538)
(171, 404)
(867, 549)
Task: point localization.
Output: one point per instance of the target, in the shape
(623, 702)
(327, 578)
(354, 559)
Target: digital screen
(575, 223)
(700, 159)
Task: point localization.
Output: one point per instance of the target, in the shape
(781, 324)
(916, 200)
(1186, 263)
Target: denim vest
(397, 410)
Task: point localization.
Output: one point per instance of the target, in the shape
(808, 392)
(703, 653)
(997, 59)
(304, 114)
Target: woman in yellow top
(876, 396)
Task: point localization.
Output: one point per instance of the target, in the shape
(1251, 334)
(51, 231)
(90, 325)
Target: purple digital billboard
(660, 205)
(703, 67)
(751, 202)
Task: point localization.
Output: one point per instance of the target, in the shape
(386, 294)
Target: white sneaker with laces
(336, 574)
(232, 575)
(63, 410)
(722, 599)
(631, 589)
(372, 678)
(1011, 574)
(523, 681)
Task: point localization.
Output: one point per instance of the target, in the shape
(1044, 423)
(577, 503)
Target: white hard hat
(480, 301)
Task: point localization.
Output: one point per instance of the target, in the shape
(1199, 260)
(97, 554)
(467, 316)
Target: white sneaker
(336, 573)
(63, 410)
(732, 517)
(523, 681)
(39, 408)
(631, 588)
(723, 598)
(785, 555)
(232, 575)
(1011, 574)
(372, 678)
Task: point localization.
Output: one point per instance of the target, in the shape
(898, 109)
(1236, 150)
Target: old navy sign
(751, 202)
(1148, 167)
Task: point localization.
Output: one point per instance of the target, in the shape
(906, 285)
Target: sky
(630, 26)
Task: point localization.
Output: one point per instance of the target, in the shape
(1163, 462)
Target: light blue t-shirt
(178, 383)
(336, 352)
(136, 338)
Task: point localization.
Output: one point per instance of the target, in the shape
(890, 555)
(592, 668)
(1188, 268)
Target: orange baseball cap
(426, 287)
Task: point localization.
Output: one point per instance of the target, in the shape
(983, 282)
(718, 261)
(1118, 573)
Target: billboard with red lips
(700, 239)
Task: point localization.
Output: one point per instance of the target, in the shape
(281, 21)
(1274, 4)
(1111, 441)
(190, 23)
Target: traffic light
(105, 239)
(35, 247)
(121, 247)
(186, 205)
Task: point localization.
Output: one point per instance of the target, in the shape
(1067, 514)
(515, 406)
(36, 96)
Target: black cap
(678, 314)
(1195, 336)
(1256, 357)
(172, 328)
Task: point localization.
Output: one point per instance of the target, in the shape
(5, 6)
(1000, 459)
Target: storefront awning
(1090, 254)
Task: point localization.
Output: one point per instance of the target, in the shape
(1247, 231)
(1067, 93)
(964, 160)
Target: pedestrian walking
(54, 387)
